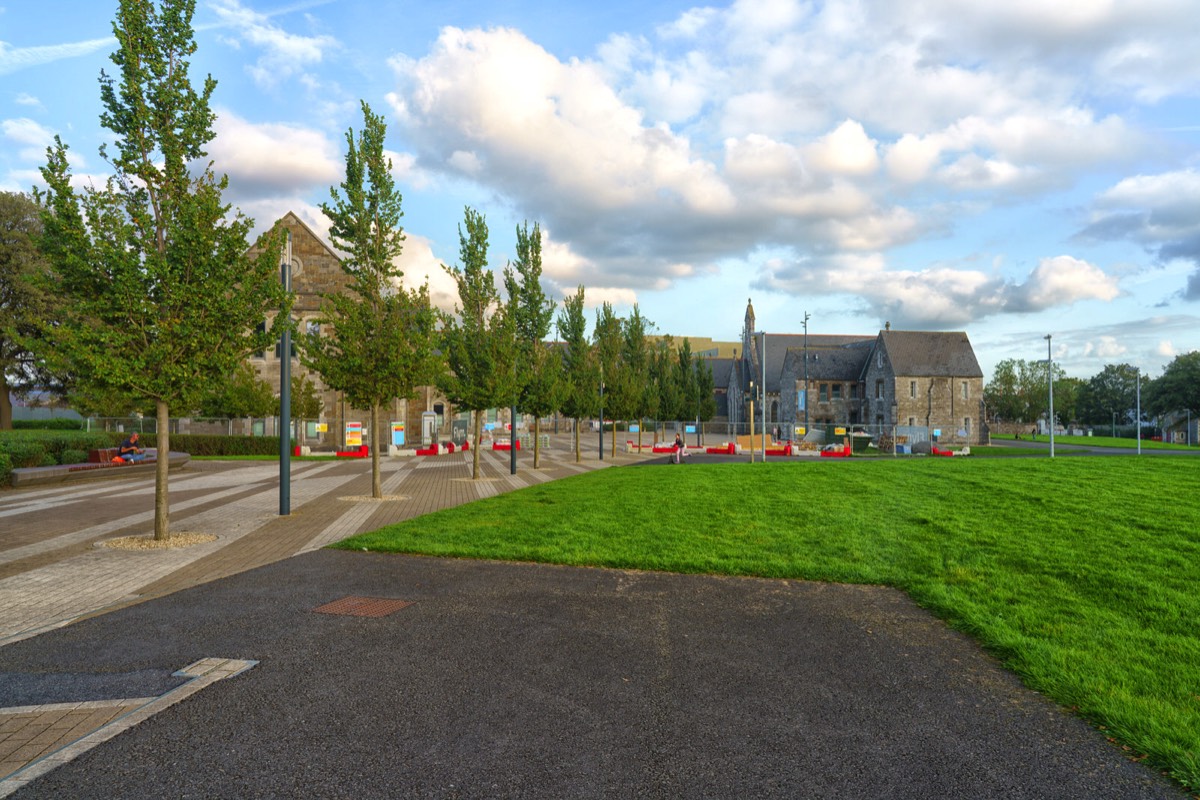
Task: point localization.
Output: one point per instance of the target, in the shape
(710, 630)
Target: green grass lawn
(1098, 441)
(1082, 575)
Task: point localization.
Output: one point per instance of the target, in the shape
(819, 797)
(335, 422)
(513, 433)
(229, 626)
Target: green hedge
(53, 424)
(39, 448)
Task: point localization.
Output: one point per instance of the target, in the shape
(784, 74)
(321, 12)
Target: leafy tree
(665, 377)
(580, 391)
(242, 394)
(1112, 391)
(685, 374)
(642, 400)
(306, 403)
(162, 298)
(607, 338)
(1018, 390)
(706, 406)
(478, 338)
(1067, 392)
(23, 305)
(532, 314)
(381, 336)
(1178, 388)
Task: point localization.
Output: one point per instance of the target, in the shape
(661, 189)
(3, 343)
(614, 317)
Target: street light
(285, 394)
(601, 412)
(806, 374)
(1050, 382)
(763, 413)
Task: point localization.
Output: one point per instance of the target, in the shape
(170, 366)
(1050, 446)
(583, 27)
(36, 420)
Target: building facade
(317, 271)
(926, 380)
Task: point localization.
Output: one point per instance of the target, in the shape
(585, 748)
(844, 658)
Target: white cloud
(420, 266)
(1104, 347)
(30, 137)
(284, 54)
(13, 59)
(272, 158)
(1165, 349)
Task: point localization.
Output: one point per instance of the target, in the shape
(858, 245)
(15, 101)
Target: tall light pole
(806, 374)
(1050, 382)
(285, 394)
(1139, 410)
(601, 412)
(762, 357)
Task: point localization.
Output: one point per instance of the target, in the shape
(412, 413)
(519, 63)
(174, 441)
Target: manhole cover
(363, 606)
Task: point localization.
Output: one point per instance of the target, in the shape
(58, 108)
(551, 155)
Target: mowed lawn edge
(1079, 574)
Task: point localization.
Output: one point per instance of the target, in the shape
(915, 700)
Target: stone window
(965, 394)
(912, 388)
(912, 422)
(837, 391)
(823, 395)
(878, 390)
(854, 391)
(260, 328)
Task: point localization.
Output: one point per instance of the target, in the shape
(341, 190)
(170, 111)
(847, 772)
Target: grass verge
(1079, 574)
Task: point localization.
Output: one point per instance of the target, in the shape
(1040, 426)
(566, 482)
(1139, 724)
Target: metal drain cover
(353, 606)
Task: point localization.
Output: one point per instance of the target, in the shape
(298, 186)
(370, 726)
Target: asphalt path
(517, 680)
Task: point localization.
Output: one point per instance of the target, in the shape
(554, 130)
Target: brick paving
(53, 571)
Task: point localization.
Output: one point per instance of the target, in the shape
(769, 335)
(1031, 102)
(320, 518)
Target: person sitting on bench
(129, 449)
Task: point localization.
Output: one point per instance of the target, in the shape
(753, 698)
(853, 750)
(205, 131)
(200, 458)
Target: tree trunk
(641, 423)
(162, 524)
(614, 437)
(478, 435)
(578, 455)
(376, 484)
(6, 409)
(536, 446)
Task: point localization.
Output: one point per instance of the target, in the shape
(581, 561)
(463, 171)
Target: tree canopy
(24, 305)
(163, 299)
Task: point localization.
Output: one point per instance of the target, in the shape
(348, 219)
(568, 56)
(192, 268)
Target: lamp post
(806, 374)
(762, 357)
(1139, 410)
(601, 412)
(1050, 382)
(285, 394)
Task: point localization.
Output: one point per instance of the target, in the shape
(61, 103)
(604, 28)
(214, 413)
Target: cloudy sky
(1009, 169)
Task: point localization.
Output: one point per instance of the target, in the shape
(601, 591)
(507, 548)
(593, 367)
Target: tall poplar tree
(532, 314)
(608, 340)
(162, 297)
(381, 341)
(478, 338)
(643, 400)
(580, 392)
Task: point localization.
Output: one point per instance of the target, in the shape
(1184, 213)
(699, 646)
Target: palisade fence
(302, 430)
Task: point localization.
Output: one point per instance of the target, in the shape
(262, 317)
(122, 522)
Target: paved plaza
(261, 665)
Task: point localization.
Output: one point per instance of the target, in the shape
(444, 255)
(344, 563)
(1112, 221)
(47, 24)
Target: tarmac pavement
(209, 671)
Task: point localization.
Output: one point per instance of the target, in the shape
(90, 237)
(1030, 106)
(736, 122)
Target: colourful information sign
(353, 434)
(398, 434)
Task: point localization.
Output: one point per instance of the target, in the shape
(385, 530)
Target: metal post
(601, 412)
(512, 444)
(806, 374)
(1139, 411)
(1050, 381)
(285, 394)
(764, 396)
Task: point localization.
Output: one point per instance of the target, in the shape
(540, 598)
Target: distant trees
(1178, 388)
(1110, 396)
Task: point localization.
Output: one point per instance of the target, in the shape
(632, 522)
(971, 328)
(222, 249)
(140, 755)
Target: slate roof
(930, 354)
(779, 345)
(844, 363)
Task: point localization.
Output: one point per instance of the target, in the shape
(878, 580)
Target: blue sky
(1009, 169)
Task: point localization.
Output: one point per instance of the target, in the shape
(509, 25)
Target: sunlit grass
(1080, 574)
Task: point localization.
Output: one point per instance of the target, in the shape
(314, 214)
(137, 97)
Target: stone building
(911, 379)
(316, 270)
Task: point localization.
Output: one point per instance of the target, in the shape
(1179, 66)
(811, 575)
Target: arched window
(774, 411)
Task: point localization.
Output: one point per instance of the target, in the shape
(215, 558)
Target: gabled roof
(835, 363)
(291, 220)
(721, 367)
(930, 354)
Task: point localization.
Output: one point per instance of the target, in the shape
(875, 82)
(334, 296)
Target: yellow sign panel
(839, 431)
(322, 427)
(800, 430)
